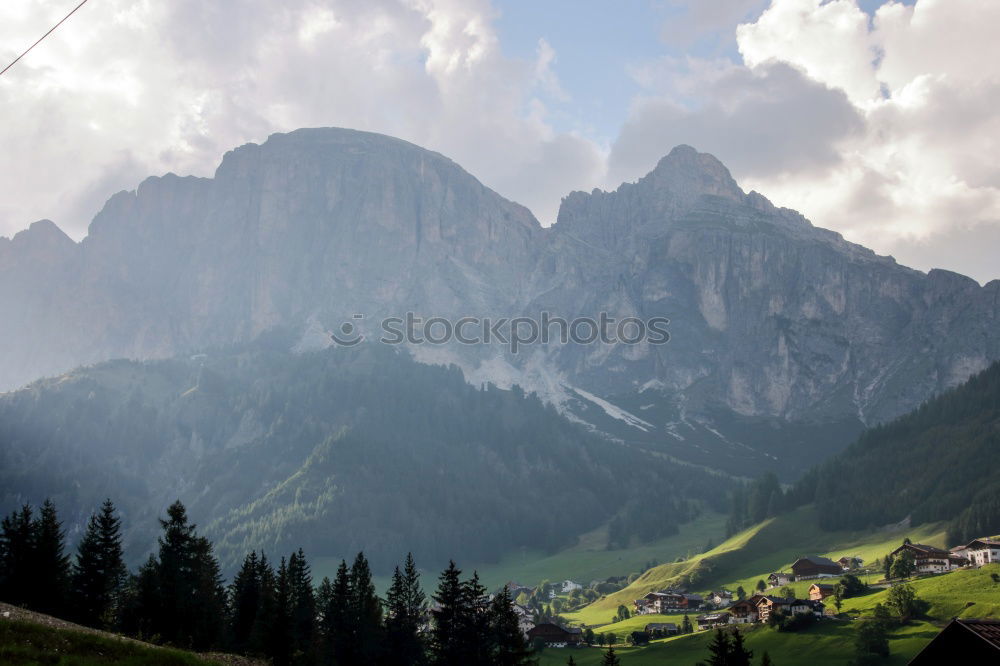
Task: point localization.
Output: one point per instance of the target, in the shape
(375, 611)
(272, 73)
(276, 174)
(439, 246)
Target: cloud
(760, 122)
(126, 89)
(926, 81)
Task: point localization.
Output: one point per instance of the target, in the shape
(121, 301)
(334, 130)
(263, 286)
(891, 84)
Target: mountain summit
(785, 338)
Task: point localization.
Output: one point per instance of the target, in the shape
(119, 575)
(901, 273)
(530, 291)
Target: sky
(876, 119)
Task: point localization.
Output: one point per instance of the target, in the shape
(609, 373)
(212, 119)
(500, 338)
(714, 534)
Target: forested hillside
(940, 462)
(335, 451)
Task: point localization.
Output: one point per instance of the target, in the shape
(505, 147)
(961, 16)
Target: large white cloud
(130, 88)
(926, 79)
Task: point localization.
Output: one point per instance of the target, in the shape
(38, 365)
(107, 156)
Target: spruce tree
(475, 626)
(610, 658)
(99, 573)
(365, 612)
(739, 654)
(50, 563)
(303, 608)
(405, 605)
(719, 650)
(507, 644)
(244, 602)
(446, 647)
(337, 643)
(17, 548)
(267, 609)
(280, 639)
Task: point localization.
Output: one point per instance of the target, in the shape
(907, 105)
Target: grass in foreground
(23, 643)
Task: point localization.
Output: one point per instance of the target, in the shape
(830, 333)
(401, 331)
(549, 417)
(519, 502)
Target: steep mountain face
(786, 339)
(336, 451)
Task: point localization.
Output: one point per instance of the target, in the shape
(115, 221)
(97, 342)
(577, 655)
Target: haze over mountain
(786, 339)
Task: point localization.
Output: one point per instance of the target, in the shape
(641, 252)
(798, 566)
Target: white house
(982, 551)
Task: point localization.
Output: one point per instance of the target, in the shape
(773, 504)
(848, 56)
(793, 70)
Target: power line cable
(51, 30)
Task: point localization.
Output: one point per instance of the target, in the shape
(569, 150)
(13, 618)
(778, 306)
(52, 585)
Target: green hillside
(753, 553)
(967, 593)
(941, 462)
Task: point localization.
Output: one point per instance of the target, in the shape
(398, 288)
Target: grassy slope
(750, 555)
(23, 642)
(589, 559)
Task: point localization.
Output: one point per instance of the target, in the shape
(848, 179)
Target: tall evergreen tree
(719, 650)
(280, 639)
(610, 658)
(405, 606)
(267, 609)
(365, 612)
(336, 643)
(507, 643)
(446, 647)
(50, 563)
(17, 548)
(740, 655)
(244, 603)
(302, 603)
(99, 573)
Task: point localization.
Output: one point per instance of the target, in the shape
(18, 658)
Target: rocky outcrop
(782, 333)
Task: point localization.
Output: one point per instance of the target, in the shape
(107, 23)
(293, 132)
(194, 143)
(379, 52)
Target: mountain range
(786, 340)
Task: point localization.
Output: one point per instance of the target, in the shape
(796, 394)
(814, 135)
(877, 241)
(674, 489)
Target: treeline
(178, 597)
(941, 462)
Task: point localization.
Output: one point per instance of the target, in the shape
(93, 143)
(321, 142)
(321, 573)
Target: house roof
(922, 548)
(815, 559)
(982, 542)
(661, 625)
(822, 586)
(984, 634)
(988, 630)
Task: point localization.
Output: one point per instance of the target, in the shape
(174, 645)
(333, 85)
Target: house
(712, 620)
(966, 641)
(780, 578)
(744, 611)
(568, 586)
(661, 629)
(982, 551)
(815, 567)
(667, 600)
(525, 618)
(820, 591)
(847, 563)
(720, 599)
(516, 588)
(927, 559)
(766, 605)
(818, 608)
(554, 635)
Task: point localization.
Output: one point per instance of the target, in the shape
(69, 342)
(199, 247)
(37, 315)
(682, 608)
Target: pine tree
(259, 642)
(719, 650)
(476, 626)
(610, 658)
(17, 548)
(50, 565)
(99, 573)
(766, 660)
(446, 647)
(244, 602)
(142, 603)
(303, 608)
(337, 644)
(365, 612)
(507, 644)
(570, 661)
(280, 639)
(739, 654)
(686, 627)
(405, 605)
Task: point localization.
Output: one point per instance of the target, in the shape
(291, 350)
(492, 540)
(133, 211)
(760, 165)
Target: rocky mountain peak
(687, 173)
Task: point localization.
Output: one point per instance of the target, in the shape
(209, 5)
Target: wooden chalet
(982, 551)
(780, 578)
(661, 629)
(963, 641)
(927, 559)
(712, 620)
(815, 567)
(745, 611)
(553, 634)
(820, 591)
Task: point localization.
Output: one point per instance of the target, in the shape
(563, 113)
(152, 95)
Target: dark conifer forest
(270, 609)
(334, 451)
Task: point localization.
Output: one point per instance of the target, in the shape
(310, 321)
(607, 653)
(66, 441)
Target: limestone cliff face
(775, 323)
